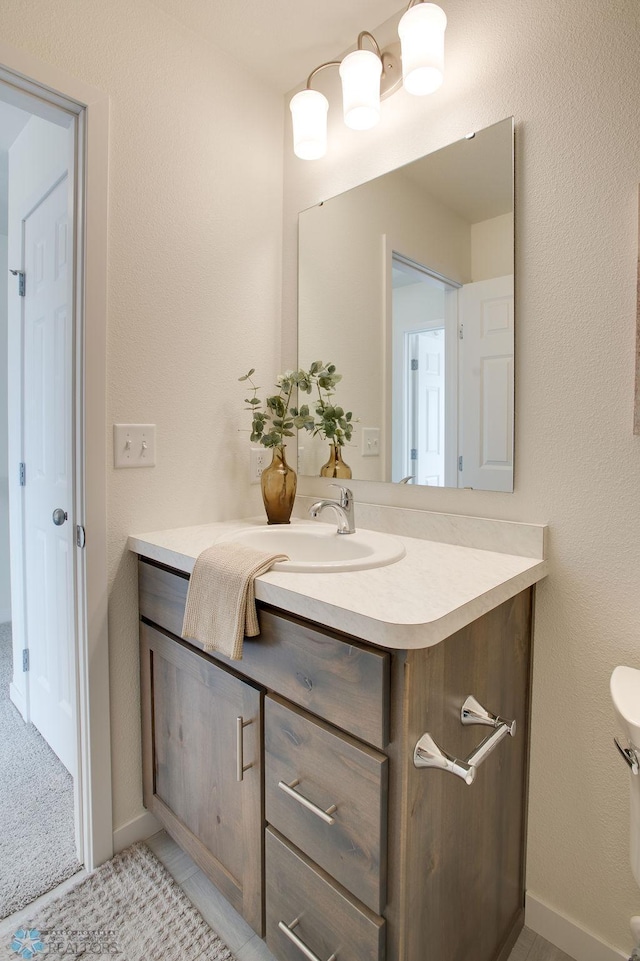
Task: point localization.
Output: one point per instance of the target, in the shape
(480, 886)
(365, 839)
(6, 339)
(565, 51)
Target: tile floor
(241, 939)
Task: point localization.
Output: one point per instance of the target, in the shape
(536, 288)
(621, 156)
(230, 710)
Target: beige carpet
(130, 909)
(37, 847)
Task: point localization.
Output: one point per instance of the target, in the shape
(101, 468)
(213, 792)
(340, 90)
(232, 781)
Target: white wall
(492, 248)
(569, 74)
(194, 283)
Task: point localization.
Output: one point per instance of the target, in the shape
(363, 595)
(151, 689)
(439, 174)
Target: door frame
(31, 78)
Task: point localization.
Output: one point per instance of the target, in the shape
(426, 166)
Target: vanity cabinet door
(201, 726)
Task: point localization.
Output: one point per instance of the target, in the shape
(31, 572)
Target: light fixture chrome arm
(370, 36)
(329, 63)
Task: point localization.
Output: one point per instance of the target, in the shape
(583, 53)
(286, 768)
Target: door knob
(59, 516)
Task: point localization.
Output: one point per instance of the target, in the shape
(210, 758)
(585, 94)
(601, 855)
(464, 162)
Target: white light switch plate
(134, 445)
(370, 441)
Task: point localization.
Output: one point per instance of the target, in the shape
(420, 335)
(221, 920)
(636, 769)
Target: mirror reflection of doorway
(425, 364)
(452, 379)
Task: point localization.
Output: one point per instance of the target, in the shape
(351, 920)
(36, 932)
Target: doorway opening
(38, 635)
(53, 596)
(425, 381)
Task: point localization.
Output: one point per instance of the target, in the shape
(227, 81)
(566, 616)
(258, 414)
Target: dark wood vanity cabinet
(334, 842)
(194, 753)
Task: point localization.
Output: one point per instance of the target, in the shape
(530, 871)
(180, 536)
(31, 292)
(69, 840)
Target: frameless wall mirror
(406, 284)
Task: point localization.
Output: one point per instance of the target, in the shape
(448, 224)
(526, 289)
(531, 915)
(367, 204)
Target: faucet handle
(346, 497)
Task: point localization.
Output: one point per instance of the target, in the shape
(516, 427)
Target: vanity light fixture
(371, 75)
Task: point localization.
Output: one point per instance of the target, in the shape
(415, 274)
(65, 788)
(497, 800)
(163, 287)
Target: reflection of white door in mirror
(486, 365)
(424, 376)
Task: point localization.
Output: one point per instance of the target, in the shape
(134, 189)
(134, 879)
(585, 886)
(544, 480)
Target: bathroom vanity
(289, 776)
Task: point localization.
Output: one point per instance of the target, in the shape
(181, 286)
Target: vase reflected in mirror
(278, 482)
(335, 466)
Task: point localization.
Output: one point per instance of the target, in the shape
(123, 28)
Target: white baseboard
(5, 616)
(141, 828)
(566, 934)
(18, 699)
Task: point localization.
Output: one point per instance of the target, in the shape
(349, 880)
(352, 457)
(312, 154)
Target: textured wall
(195, 209)
(569, 74)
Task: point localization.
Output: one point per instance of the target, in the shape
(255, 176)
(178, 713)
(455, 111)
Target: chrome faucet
(343, 507)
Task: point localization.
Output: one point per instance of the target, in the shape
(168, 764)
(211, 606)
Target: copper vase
(278, 482)
(335, 466)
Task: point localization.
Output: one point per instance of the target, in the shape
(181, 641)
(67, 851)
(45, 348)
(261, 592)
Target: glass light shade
(421, 31)
(360, 73)
(309, 115)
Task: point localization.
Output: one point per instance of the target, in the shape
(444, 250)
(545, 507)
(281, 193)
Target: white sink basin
(314, 548)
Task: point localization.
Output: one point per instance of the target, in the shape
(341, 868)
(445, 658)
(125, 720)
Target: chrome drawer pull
(241, 767)
(305, 802)
(428, 754)
(287, 929)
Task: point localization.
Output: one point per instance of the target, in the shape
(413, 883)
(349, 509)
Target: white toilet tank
(625, 694)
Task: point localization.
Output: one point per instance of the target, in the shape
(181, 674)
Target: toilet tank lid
(625, 693)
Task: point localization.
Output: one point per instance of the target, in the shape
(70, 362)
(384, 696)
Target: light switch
(370, 441)
(134, 445)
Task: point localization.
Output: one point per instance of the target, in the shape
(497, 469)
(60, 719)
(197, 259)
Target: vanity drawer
(332, 770)
(331, 923)
(162, 595)
(340, 680)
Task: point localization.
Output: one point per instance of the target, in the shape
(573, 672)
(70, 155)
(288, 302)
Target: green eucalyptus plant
(331, 421)
(277, 419)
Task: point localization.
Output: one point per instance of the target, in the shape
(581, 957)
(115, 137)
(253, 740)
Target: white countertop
(436, 589)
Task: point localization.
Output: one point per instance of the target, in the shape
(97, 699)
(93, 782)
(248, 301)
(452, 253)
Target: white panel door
(49, 480)
(486, 384)
(428, 356)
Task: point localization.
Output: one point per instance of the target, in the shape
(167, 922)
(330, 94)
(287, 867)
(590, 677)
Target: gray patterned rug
(37, 848)
(130, 909)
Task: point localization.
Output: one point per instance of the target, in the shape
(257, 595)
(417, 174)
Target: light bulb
(421, 31)
(360, 74)
(309, 116)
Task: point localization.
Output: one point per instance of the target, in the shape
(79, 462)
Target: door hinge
(414, 453)
(81, 539)
(414, 364)
(22, 284)
(25, 660)
(22, 475)
(460, 461)
(461, 331)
